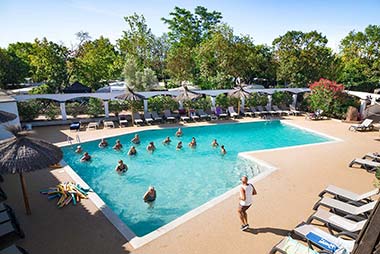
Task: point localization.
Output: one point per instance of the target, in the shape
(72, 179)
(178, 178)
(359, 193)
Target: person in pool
(132, 151)
(214, 143)
(85, 157)
(179, 145)
(121, 167)
(150, 195)
(151, 147)
(118, 145)
(79, 149)
(166, 141)
(136, 139)
(103, 143)
(222, 150)
(179, 132)
(193, 143)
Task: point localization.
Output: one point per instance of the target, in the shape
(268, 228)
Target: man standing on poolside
(245, 196)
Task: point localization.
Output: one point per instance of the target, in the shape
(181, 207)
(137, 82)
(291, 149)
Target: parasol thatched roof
(186, 94)
(239, 92)
(130, 95)
(23, 153)
(6, 116)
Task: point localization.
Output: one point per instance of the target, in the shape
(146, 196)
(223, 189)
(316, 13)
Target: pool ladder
(77, 139)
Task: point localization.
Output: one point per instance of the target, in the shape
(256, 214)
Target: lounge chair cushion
(292, 246)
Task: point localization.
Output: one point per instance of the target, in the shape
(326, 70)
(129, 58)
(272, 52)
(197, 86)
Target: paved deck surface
(285, 198)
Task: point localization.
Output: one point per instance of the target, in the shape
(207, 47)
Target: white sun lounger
(366, 164)
(271, 111)
(193, 116)
(344, 194)
(290, 246)
(261, 110)
(137, 118)
(339, 223)
(286, 110)
(123, 121)
(109, 124)
(156, 117)
(323, 239)
(279, 111)
(168, 115)
(365, 125)
(294, 110)
(202, 114)
(232, 112)
(346, 208)
(246, 112)
(93, 125)
(372, 156)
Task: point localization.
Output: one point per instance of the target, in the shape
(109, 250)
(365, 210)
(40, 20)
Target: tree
(96, 63)
(360, 53)
(20, 64)
(140, 80)
(302, 58)
(48, 63)
(181, 64)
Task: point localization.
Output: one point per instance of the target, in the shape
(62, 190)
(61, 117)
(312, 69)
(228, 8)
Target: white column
(363, 105)
(373, 101)
(145, 105)
(242, 104)
(213, 101)
(106, 109)
(63, 110)
(269, 100)
(180, 104)
(294, 103)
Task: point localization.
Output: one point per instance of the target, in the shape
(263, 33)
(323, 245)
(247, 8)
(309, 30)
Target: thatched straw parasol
(6, 116)
(239, 92)
(187, 95)
(22, 153)
(130, 95)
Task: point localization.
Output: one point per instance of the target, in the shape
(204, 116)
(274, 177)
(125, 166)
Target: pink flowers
(328, 85)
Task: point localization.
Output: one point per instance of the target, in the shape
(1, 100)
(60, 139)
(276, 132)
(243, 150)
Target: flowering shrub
(328, 96)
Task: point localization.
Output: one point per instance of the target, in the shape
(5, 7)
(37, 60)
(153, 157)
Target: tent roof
(77, 87)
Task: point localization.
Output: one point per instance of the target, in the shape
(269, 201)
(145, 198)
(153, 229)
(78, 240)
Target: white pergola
(106, 97)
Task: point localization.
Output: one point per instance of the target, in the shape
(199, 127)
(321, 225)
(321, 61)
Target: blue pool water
(183, 179)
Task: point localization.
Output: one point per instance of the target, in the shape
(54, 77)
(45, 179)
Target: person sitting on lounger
(214, 143)
(79, 149)
(151, 147)
(136, 139)
(179, 145)
(118, 145)
(121, 167)
(132, 151)
(222, 150)
(193, 143)
(166, 141)
(150, 195)
(179, 132)
(103, 143)
(85, 157)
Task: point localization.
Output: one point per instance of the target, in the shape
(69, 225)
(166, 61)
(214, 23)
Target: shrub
(257, 99)
(95, 107)
(116, 106)
(159, 103)
(52, 110)
(75, 108)
(222, 100)
(281, 98)
(328, 96)
(29, 110)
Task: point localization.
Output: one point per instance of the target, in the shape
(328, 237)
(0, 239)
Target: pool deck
(285, 198)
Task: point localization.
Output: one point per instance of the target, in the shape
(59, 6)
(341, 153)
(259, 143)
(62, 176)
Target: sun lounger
(93, 125)
(280, 111)
(13, 249)
(219, 113)
(294, 110)
(261, 110)
(343, 194)
(336, 222)
(271, 111)
(168, 115)
(286, 110)
(345, 207)
(246, 112)
(75, 126)
(324, 240)
(372, 156)
(10, 228)
(365, 125)
(202, 114)
(148, 117)
(232, 112)
(123, 121)
(290, 246)
(193, 115)
(156, 117)
(255, 111)
(109, 124)
(317, 115)
(137, 118)
(366, 164)
(212, 114)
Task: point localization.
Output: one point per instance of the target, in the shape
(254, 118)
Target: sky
(59, 20)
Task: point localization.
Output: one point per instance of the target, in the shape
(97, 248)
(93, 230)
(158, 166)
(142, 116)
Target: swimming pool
(183, 179)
